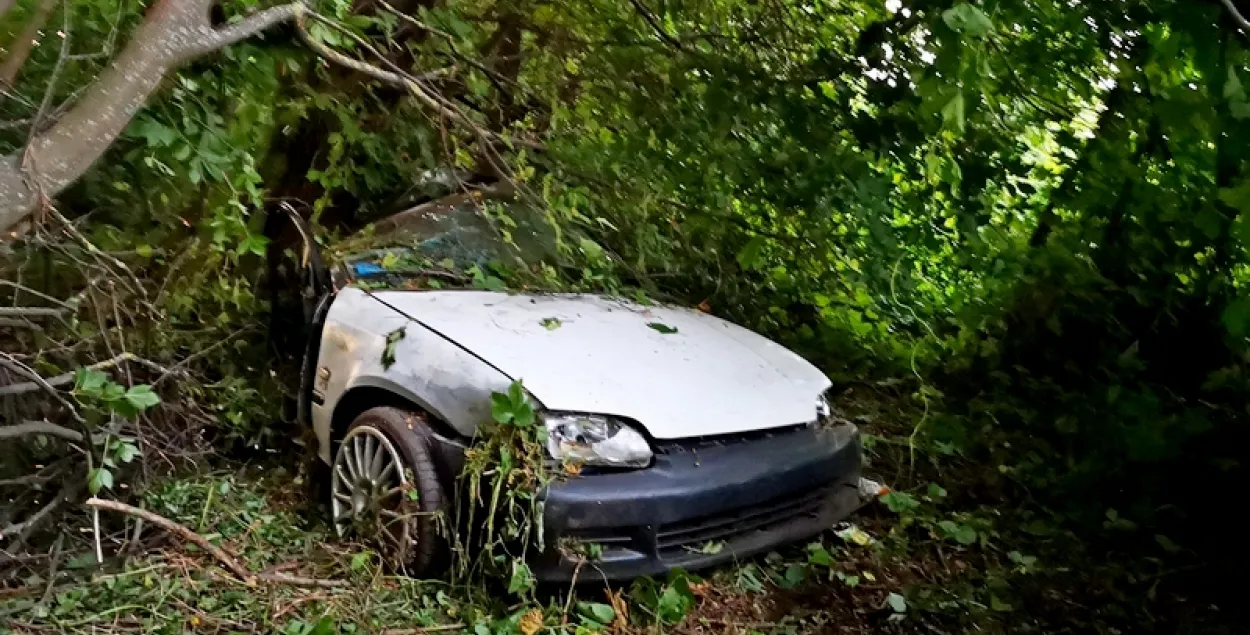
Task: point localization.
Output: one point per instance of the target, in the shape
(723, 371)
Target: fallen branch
(46, 428)
(179, 530)
(226, 560)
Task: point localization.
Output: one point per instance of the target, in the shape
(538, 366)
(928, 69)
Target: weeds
(504, 475)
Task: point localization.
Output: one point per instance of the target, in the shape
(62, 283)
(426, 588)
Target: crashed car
(699, 441)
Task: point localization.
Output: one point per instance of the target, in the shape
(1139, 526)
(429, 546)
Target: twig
(225, 559)
(56, 562)
(39, 294)
(423, 629)
(66, 378)
(24, 528)
(295, 580)
(37, 120)
(174, 528)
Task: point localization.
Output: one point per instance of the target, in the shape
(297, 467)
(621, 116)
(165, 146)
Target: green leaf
(750, 256)
(953, 112)
(388, 351)
(960, 533)
(127, 452)
(662, 329)
(817, 554)
(968, 20)
(936, 491)
(900, 502)
(500, 408)
(794, 576)
(89, 382)
(675, 602)
(142, 397)
(999, 605)
(99, 478)
(593, 251)
(897, 602)
(550, 323)
(1236, 317)
(599, 612)
(521, 579)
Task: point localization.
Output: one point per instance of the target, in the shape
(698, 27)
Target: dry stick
(423, 629)
(220, 554)
(174, 528)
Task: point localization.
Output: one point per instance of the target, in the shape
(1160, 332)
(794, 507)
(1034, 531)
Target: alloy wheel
(372, 493)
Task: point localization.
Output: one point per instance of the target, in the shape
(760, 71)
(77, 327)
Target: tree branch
(66, 378)
(46, 428)
(173, 33)
(251, 25)
(24, 43)
(1242, 23)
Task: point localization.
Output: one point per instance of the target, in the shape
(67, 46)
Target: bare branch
(23, 529)
(29, 311)
(66, 378)
(12, 363)
(45, 428)
(39, 294)
(249, 26)
(1242, 23)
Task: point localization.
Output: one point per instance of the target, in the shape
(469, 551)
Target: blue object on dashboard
(367, 268)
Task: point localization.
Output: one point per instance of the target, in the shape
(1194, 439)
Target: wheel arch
(360, 398)
(446, 444)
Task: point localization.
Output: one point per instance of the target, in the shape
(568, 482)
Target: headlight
(595, 440)
(822, 408)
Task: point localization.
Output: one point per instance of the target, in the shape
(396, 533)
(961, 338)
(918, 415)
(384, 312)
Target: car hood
(677, 372)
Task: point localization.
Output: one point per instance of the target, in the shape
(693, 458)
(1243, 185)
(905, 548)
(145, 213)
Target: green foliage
(504, 474)
(667, 602)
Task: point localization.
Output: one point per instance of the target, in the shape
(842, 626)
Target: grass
(941, 554)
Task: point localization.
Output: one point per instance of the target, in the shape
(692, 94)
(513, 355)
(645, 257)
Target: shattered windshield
(458, 233)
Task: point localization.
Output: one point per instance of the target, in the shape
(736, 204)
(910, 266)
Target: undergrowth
(943, 552)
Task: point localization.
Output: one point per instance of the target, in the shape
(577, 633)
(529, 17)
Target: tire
(412, 543)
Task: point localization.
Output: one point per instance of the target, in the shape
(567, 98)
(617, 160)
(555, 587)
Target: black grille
(725, 440)
(693, 534)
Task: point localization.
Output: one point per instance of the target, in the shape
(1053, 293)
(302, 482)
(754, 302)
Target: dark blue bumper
(701, 505)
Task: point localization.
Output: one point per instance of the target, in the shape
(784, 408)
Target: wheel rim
(370, 492)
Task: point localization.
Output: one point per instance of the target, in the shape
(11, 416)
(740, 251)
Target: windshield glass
(455, 233)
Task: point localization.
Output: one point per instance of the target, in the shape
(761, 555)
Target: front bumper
(699, 506)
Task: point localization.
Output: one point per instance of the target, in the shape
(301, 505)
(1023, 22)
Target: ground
(929, 557)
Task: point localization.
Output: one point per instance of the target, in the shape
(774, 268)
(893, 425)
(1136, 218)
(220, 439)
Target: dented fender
(427, 369)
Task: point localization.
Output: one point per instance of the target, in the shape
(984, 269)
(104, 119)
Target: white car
(693, 431)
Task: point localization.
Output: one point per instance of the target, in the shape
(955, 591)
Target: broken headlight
(595, 440)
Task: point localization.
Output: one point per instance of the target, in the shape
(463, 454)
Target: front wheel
(384, 488)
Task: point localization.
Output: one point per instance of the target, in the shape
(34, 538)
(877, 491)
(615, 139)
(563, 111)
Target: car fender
(423, 367)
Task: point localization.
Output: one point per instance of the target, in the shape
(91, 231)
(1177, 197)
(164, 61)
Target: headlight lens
(822, 408)
(595, 440)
